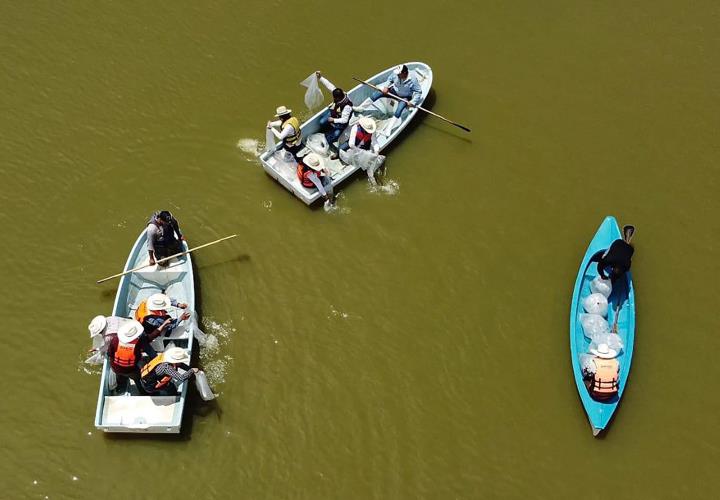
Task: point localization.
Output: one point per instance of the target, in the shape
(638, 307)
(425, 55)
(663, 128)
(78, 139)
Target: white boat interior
(126, 409)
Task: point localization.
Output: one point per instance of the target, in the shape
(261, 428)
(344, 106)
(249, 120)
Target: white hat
(158, 302)
(604, 351)
(368, 124)
(97, 325)
(398, 69)
(314, 161)
(176, 355)
(130, 331)
(282, 110)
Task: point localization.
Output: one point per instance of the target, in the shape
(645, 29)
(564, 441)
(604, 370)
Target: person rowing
(163, 236)
(401, 84)
(615, 261)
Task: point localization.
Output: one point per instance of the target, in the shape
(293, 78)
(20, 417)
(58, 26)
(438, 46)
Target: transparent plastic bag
(197, 332)
(366, 160)
(586, 364)
(112, 380)
(599, 285)
(203, 387)
(96, 358)
(313, 94)
(593, 324)
(269, 140)
(318, 144)
(612, 340)
(596, 303)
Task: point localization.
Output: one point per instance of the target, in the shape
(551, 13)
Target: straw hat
(604, 351)
(158, 302)
(282, 110)
(97, 325)
(130, 331)
(176, 355)
(368, 124)
(314, 161)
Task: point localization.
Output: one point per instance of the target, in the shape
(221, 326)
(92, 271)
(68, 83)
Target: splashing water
(250, 146)
(388, 188)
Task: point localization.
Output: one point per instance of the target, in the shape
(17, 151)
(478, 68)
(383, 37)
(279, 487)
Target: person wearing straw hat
(163, 236)
(362, 139)
(402, 85)
(102, 330)
(337, 117)
(152, 314)
(602, 372)
(159, 372)
(290, 134)
(126, 350)
(311, 173)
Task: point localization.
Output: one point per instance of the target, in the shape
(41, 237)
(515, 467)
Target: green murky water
(414, 343)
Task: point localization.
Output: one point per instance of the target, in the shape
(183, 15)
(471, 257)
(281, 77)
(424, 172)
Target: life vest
(124, 359)
(303, 173)
(337, 109)
(149, 379)
(363, 139)
(292, 140)
(142, 313)
(604, 384)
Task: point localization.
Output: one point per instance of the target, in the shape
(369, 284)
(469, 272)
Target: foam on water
(389, 187)
(250, 146)
(213, 361)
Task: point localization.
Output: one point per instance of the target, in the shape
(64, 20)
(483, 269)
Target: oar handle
(390, 94)
(164, 259)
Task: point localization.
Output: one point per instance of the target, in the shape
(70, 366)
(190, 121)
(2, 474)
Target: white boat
(130, 411)
(275, 162)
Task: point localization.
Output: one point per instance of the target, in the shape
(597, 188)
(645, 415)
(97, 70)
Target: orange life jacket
(148, 377)
(605, 381)
(124, 359)
(303, 173)
(142, 312)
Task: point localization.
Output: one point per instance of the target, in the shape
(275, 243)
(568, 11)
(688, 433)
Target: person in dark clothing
(163, 236)
(615, 261)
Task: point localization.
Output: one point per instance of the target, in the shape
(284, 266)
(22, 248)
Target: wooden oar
(617, 316)
(389, 94)
(166, 258)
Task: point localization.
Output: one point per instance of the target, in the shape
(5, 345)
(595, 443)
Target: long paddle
(166, 259)
(389, 94)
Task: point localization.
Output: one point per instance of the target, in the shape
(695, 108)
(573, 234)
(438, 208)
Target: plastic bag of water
(313, 94)
(596, 303)
(599, 285)
(269, 140)
(318, 144)
(593, 324)
(203, 387)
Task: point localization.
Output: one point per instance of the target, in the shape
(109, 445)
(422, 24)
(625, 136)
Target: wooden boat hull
(131, 411)
(285, 173)
(600, 412)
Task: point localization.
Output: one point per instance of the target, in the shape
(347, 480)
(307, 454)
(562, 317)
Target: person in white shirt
(290, 134)
(337, 117)
(402, 85)
(311, 173)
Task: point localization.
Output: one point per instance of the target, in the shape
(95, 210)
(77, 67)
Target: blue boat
(623, 294)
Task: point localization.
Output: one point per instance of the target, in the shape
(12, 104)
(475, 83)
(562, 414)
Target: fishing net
(596, 303)
(599, 285)
(313, 94)
(366, 160)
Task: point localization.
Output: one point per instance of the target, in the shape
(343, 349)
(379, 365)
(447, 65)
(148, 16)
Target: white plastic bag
(269, 140)
(197, 332)
(593, 324)
(596, 303)
(313, 94)
(318, 144)
(366, 160)
(112, 380)
(203, 387)
(599, 285)
(612, 340)
(96, 359)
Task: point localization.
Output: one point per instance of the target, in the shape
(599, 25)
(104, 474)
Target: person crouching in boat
(102, 330)
(125, 352)
(615, 261)
(158, 373)
(337, 117)
(290, 134)
(402, 85)
(601, 372)
(361, 138)
(312, 174)
(163, 236)
(152, 314)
